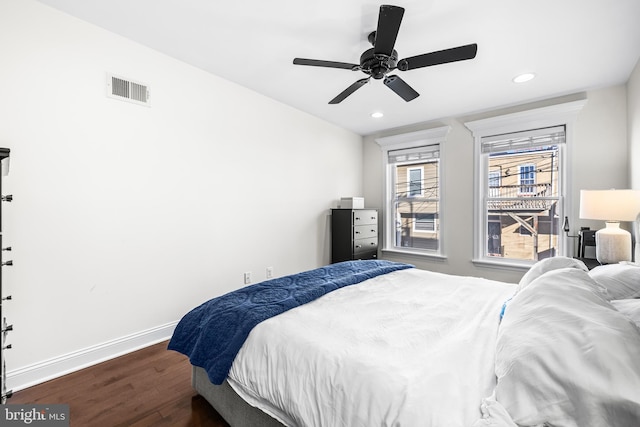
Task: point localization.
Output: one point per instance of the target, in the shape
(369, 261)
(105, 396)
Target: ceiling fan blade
(401, 88)
(348, 91)
(459, 53)
(389, 21)
(329, 64)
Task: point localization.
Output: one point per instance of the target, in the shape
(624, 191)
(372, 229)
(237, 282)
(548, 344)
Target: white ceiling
(571, 45)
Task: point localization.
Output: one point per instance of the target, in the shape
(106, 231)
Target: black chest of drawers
(354, 234)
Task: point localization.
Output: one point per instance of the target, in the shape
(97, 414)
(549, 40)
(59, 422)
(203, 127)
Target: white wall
(633, 115)
(599, 161)
(125, 217)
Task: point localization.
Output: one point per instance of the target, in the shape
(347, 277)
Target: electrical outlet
(247, 277)
(269, 272)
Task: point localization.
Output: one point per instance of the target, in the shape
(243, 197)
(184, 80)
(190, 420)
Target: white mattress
(404, 349)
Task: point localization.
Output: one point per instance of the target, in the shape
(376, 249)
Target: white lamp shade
(609, 205)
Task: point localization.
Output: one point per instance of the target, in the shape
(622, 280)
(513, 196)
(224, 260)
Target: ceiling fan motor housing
(377, 65)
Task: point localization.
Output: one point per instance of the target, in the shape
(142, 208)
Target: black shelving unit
(6, 328)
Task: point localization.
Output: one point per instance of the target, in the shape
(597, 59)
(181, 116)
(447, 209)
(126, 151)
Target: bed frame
(229, 405)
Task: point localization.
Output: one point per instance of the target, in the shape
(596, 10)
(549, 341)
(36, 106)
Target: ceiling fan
(382, 58)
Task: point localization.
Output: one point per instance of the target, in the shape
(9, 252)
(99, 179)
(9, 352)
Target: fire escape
(524, 204)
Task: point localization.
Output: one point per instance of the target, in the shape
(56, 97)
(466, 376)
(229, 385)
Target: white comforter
(410, 348)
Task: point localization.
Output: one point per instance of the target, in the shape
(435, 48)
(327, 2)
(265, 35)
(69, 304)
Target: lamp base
(613, 244)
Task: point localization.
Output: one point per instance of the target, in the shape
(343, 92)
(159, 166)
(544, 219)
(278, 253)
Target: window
(414, 178)
(527, 178)
(413, 217)
(425, 222)
(415, 196)
(521, 187)
(525, 198)
(494, 182)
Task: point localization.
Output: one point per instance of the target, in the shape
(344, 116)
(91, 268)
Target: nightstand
(586, 239)
(589, 262)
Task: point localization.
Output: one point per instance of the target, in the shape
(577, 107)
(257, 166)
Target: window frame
(555, 115)
(405, 141)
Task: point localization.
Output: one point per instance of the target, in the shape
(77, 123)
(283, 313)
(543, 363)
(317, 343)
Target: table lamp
(613, 244)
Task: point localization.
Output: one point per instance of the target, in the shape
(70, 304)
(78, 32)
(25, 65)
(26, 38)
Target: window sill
(511, 265)
(421, 255)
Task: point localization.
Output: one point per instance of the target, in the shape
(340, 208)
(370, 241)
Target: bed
(378, 343)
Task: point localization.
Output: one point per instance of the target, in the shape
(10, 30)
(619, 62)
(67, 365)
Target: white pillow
(548, 264)
(630, 308)
(622, 281)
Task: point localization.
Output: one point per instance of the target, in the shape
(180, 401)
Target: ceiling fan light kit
(382, 58)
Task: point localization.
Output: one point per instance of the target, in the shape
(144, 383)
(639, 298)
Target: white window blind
(523, 140)
(415, 154)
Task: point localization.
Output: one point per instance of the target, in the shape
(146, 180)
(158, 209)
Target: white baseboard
(19, 379)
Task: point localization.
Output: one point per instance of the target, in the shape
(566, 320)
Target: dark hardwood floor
(149, 387)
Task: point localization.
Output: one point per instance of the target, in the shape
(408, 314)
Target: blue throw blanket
(212, 334)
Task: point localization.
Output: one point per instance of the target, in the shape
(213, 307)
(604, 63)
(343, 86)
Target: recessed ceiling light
(377, 114)
(523, 77)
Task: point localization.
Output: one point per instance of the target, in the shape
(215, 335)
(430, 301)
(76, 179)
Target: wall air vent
(127, 90)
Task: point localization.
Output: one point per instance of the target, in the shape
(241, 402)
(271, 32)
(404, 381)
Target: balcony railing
(524, 197)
